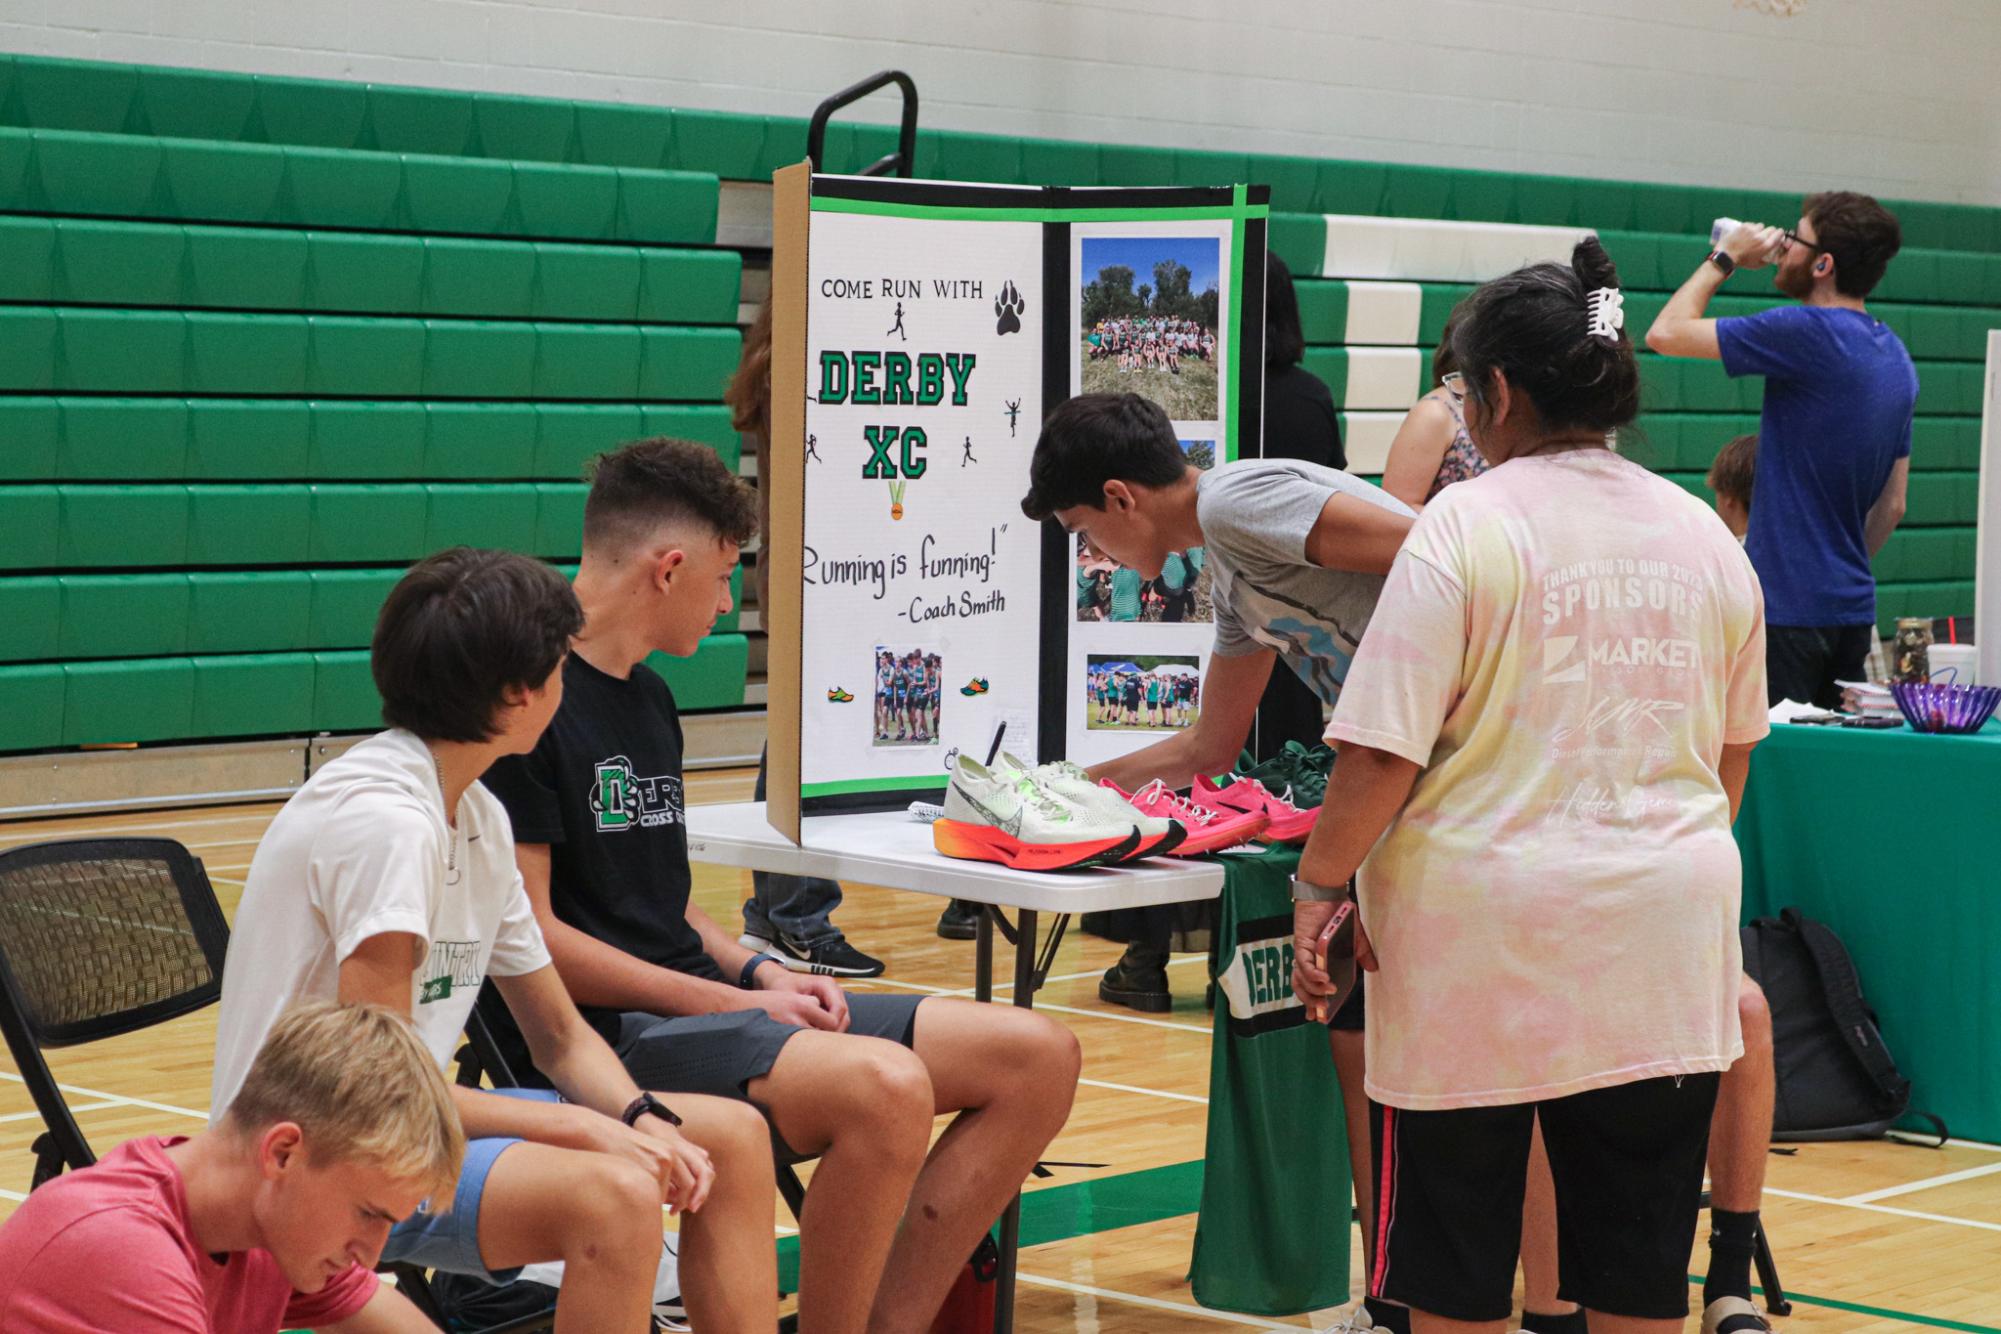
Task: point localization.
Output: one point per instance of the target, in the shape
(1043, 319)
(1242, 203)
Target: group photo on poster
(1109, 591)
(1150, 316)
(1145, 693)
(908, 696)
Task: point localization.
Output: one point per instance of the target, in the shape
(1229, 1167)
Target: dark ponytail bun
(1532, 325)
(1593, 267)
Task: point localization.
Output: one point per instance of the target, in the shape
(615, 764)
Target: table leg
(1010, 1225)
(1024, 959)
(983, 956)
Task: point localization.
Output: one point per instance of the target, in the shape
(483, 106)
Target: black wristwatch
(1723, 262)
(648, 1105)
(747, 979)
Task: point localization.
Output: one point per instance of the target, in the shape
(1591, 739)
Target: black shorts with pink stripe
(1627, 1162)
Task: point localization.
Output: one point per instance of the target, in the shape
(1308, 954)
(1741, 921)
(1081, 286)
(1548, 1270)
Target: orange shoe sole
(1216, 840)
(984, 843)
(1291, 831)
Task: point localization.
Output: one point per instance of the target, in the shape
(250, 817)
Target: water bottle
(1721, 228)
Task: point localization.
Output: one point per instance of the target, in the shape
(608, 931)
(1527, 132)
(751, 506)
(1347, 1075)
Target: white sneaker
(1734, 1315)
(1357, 1321)
(1008, 818)
(668, 1307)
(1069, 783)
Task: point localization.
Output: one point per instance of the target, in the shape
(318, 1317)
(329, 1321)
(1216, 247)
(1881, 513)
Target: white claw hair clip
(1606, 307)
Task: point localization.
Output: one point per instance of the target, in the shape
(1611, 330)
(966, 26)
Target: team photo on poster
(1109, 591)
(908, 695)
(1149, 320)
(1149, 693)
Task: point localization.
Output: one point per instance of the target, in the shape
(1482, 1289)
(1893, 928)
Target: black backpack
(1836, 1079)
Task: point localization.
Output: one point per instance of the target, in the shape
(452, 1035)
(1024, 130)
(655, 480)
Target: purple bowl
(1946, 709)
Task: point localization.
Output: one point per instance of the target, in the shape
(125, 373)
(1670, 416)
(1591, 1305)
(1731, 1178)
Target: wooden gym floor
(1871, 1237)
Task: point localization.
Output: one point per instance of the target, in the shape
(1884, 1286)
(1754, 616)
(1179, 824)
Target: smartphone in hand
(1334, 954)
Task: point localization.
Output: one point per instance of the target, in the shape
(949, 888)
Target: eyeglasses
(1454, 382)
(1794, 238)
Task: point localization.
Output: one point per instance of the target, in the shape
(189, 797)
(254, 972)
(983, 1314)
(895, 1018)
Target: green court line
(1887, 1313)
(1082, 1209)
(845, 785)
(1239, 211)
(1032, 213)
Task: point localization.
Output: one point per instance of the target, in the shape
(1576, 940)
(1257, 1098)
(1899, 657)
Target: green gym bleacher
(265, 340)
(243, 384)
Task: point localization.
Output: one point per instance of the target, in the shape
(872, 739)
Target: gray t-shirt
(1255, 516)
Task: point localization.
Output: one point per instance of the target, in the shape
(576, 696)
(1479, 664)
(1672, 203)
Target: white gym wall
(1896, 97)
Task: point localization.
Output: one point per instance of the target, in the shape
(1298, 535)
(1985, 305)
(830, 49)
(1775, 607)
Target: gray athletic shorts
(720, 1054)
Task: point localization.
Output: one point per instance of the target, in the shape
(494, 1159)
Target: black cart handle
(900, 163)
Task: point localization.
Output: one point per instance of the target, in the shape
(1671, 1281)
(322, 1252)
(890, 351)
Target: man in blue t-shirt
(1834, 439)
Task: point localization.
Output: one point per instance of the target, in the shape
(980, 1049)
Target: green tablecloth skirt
(1273, 1234)
(1894, 840)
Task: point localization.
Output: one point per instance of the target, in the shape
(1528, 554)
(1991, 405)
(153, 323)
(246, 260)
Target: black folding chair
(1767, 1266)
(98, 937)
(482, 1059)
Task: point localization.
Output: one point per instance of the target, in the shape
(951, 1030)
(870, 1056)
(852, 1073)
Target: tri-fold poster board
(921, 333)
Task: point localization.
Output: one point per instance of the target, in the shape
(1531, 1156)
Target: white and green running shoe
(1069, 782)
(1007, 817)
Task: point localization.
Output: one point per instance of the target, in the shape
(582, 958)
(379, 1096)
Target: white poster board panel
(1149, 314)
(920, 576)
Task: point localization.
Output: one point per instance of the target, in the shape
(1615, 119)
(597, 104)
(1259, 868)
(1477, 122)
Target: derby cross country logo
(622, 800)
(451, 965)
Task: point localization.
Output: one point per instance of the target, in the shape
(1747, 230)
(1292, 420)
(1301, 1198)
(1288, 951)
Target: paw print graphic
(1009, 307)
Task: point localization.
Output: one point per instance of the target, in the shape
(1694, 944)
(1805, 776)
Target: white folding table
(893, 850)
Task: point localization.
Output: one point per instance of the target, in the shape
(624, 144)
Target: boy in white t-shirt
(390, 878)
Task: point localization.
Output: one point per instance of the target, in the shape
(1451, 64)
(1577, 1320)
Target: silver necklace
(451, 825)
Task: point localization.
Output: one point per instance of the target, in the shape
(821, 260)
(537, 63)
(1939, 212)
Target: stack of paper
(1868, 699)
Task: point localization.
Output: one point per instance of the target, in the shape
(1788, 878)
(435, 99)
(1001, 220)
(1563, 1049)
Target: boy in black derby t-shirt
(598, 816)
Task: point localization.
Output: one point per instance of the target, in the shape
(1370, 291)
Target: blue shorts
(450, 1240)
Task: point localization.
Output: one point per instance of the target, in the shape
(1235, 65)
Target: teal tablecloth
(1891, 839)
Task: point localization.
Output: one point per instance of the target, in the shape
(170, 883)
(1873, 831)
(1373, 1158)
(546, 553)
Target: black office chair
(98, 937)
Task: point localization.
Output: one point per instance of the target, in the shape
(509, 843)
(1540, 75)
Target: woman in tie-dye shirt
(1548, 728)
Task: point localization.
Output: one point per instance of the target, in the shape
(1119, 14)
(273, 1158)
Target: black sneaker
(473, 1303)
(1138, 982)
(832, 958)
(959, 921)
